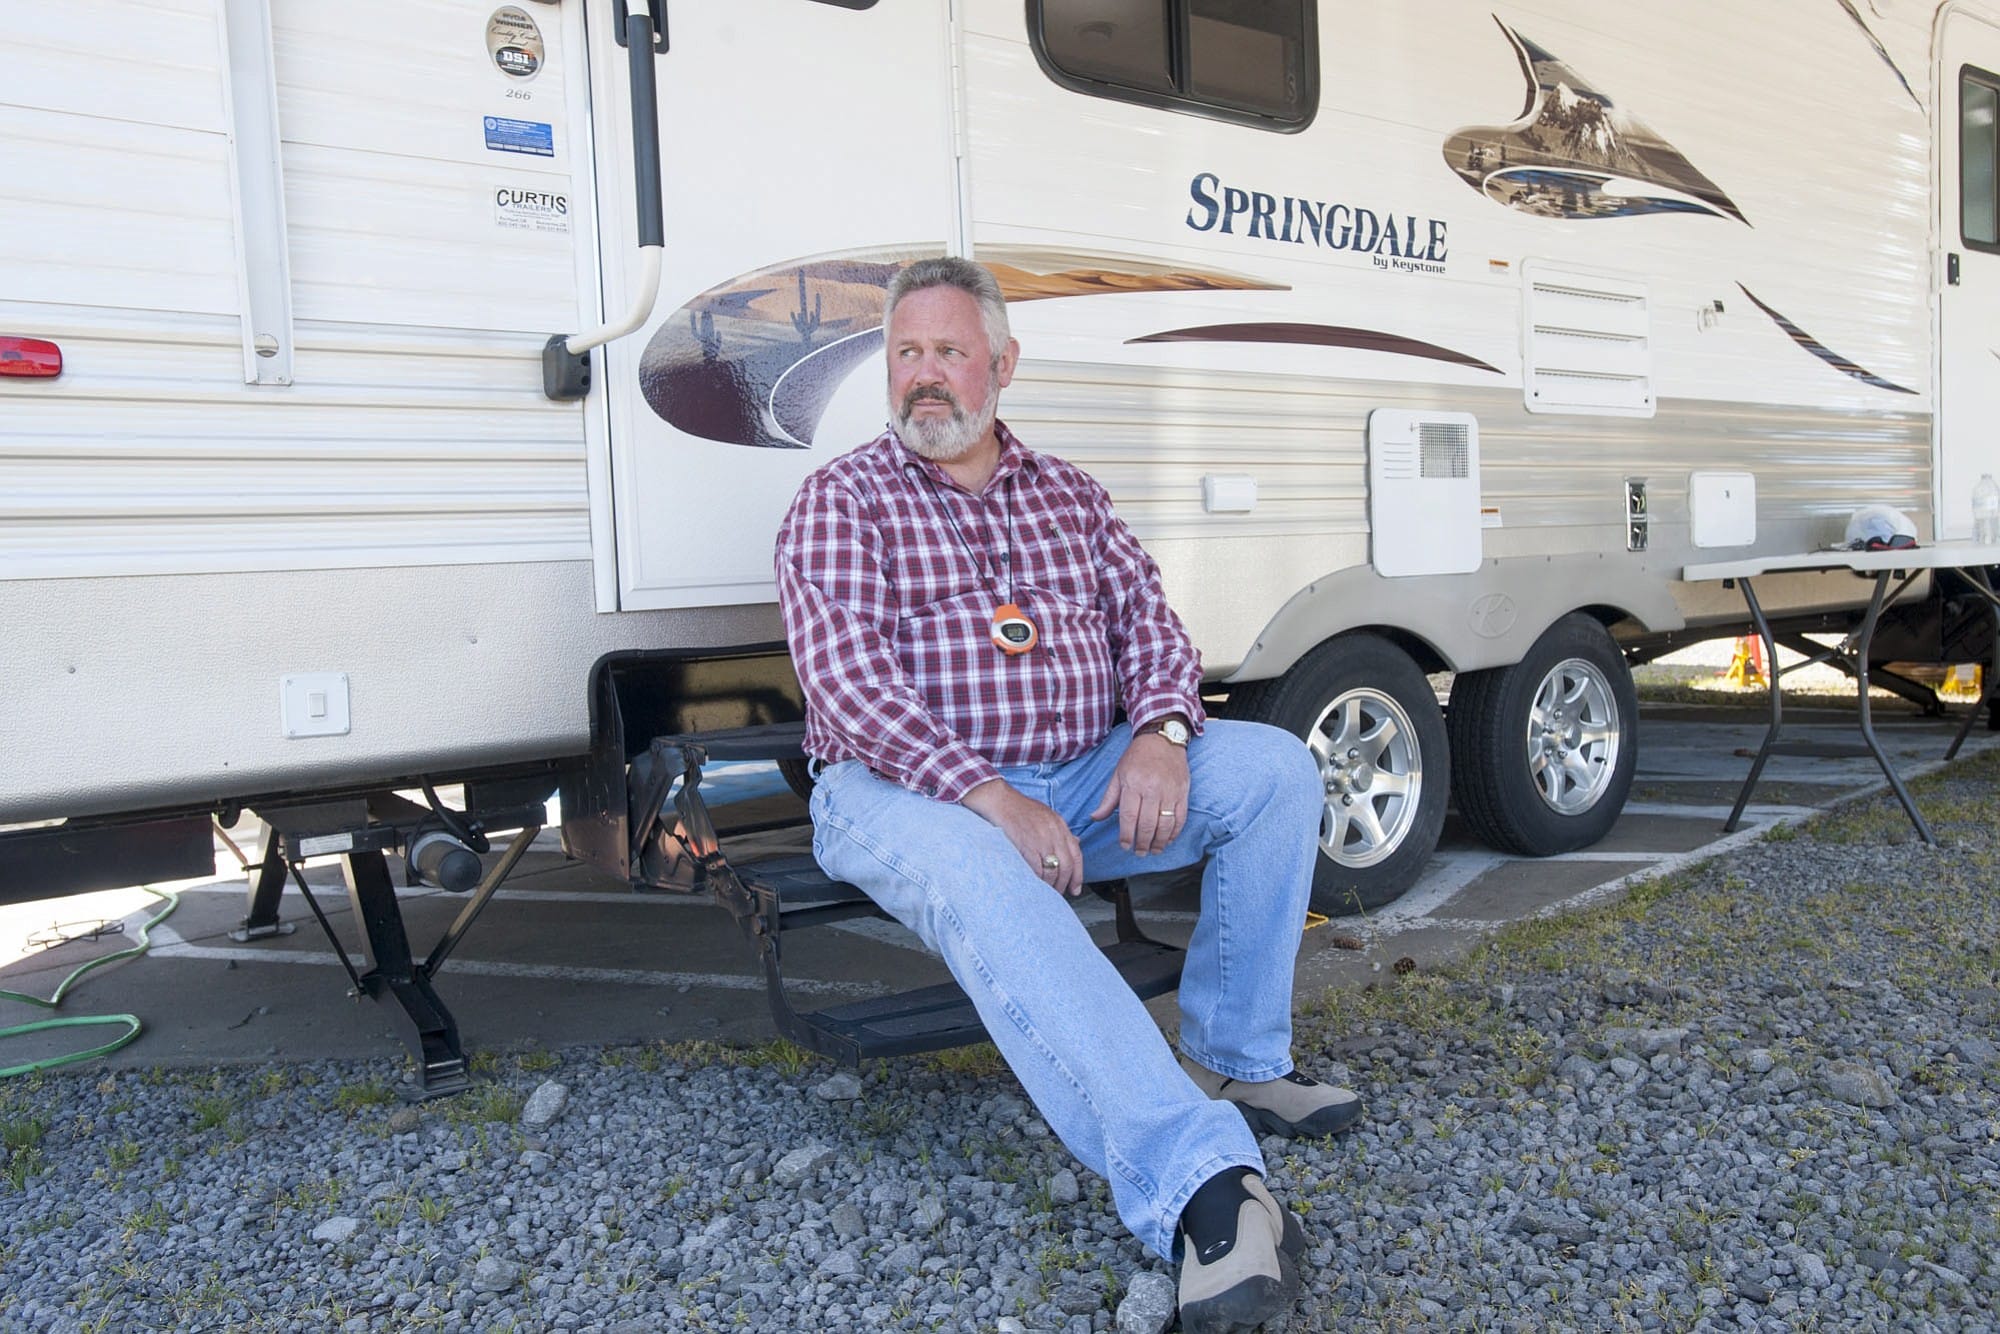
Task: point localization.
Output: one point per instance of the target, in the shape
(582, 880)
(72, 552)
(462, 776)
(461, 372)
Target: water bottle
(1986, 510)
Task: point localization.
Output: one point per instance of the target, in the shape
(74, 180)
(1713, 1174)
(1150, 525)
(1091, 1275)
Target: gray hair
(975, 280)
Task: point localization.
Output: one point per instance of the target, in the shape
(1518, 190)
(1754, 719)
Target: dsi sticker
(515, 43)
(507, 135)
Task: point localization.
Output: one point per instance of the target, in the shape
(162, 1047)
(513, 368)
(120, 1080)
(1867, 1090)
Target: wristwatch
(1173, 729)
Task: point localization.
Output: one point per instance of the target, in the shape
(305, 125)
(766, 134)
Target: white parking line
(168, 944)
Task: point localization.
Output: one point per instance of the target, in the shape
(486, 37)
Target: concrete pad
(1516, 889)
(564, 955)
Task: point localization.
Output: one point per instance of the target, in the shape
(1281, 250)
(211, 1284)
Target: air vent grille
(1588, 340)
(1446, 449)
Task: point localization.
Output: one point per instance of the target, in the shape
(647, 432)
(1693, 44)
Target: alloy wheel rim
(1574, 737)
(1371, 767)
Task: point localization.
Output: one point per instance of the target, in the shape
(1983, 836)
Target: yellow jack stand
(1962, 681)
(1746, 666)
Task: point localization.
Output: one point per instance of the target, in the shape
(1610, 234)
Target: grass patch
(351, 1098)
(779, 1054)
(483, 1103)
(21, 1147)
(151, 1219)
(980, 1060)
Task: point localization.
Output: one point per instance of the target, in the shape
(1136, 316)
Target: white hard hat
(1878, 523)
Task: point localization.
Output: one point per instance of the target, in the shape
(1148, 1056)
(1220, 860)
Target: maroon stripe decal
(1318, 335)
(1822, 351)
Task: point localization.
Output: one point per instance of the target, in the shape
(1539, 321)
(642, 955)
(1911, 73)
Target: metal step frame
(767, 896)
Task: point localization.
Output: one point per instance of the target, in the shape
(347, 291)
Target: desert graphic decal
(1317, 335)
(1880, 50)
(1575, 153)
(1822, 351)
(756, 360)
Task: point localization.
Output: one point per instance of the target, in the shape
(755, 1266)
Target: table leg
(1861, 646)
(1771, 681)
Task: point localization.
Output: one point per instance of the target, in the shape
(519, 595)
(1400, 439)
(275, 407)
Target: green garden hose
(130, 1022)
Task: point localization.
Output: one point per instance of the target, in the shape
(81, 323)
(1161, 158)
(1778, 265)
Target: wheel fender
(1488, 618)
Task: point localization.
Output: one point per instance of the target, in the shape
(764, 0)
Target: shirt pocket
(1056, 561)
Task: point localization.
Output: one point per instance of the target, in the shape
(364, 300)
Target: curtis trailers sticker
(530, 210)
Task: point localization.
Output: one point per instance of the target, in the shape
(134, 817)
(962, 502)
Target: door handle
(1951, 269)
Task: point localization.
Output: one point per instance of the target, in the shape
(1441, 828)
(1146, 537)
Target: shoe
(1250, 1273)
(1291, 1105)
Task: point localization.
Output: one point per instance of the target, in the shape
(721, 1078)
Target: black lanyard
(971, 551)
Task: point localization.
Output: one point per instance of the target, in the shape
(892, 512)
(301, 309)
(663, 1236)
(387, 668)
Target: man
(966, 616)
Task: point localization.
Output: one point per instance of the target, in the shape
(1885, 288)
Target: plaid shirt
(889, 613)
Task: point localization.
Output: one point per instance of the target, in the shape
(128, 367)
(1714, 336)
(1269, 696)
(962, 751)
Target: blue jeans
(1082, 1045)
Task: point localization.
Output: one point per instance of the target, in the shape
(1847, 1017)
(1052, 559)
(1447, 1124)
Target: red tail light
(29, 358)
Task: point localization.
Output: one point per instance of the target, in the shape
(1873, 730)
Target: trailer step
(806, 895)
(931, 1018)
(768, 894)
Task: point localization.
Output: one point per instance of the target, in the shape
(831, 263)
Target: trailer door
(1968, 393)
(802, 143)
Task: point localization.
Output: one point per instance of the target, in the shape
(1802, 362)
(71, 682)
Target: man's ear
(1008, 359)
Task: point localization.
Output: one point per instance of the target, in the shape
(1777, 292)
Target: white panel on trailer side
(1194, 295)
(411, 510)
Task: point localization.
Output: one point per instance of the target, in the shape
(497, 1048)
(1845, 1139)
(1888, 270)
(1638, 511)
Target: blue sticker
(504, 135)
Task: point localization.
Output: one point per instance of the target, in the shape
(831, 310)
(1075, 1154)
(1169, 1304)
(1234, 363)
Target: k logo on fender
(1492, 616)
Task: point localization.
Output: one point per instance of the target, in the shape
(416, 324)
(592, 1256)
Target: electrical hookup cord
(130, 1022)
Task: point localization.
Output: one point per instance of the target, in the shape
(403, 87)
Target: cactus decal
(756, 360)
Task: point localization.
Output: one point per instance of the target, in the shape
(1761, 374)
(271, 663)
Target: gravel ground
(1759, 1094)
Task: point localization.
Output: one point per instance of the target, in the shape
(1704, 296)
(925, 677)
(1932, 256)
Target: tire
(798, 776)
(1542, 752)
(1373, 723)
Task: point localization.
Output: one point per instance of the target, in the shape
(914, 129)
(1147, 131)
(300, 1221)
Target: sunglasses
(1895, 542)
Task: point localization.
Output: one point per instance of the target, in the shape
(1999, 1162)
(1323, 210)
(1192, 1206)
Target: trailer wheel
(1543, 751)
(1373, 723)
(798, 776)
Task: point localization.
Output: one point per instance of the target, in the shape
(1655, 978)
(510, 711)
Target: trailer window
(1250, 61)
(1978, 158)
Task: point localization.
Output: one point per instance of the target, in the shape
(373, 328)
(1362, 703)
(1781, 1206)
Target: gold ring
(1051, 862)
(1166, 815)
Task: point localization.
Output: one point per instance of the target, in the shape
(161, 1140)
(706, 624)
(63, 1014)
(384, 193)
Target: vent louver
(1587, 340)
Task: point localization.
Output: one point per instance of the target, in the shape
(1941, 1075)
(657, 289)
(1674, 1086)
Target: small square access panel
(313, 704)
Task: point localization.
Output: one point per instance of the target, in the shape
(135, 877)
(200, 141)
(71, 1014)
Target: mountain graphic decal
(1574, 153)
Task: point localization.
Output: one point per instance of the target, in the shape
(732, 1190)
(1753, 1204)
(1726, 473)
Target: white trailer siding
(410, 510)
(414, 431)
(1788, 108)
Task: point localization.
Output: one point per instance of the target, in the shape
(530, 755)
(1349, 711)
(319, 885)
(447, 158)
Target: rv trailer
(402, 395)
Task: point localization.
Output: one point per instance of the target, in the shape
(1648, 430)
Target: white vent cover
(1587, 342)
(1423, 492)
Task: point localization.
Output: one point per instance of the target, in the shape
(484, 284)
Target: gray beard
(944, 439)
